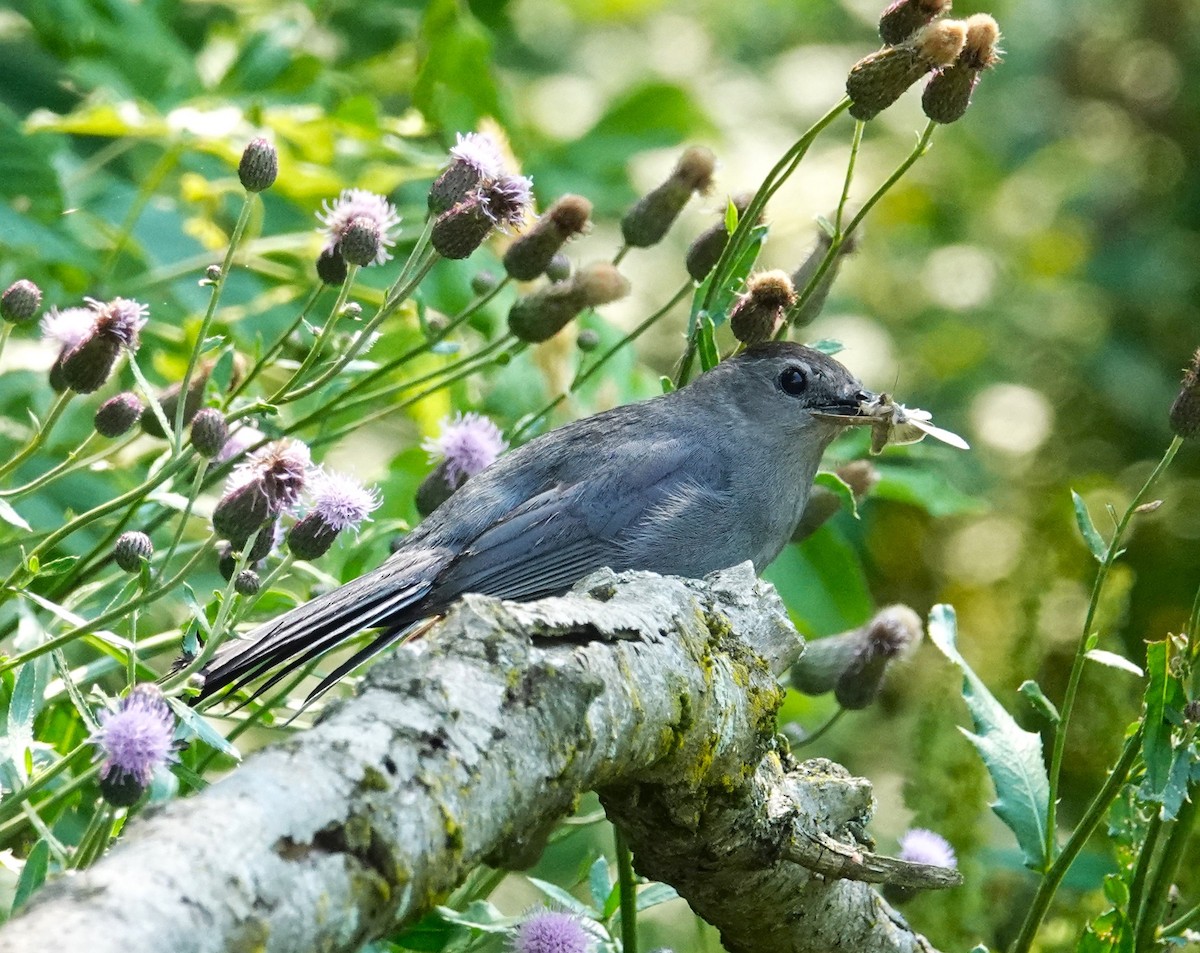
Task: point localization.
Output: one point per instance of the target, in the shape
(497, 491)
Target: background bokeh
(1032, 281)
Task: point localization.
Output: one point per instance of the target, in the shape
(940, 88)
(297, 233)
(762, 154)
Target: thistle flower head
(948, 93)
(468, 444)
(281, 468)
(647, 222)
(1185, 410)
(131, 548)
(341, 501)
(543, 313)
(117, 415)
(904, 17)
(359, 203)
(921, 846)
(507, 200)
(259, 165)
(759, 313)
(478, 151)
(210, 432)
(550, 931)
(121, 319)
(531, 254)
(67, 327)
(361, 241)
(133, 742)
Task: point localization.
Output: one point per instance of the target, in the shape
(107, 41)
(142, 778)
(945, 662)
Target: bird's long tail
(392, 596)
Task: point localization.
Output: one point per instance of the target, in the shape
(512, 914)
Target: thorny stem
(1110, 556)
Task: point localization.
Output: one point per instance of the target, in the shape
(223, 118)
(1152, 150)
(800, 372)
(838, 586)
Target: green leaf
(667, 384)
(926, 488)
(709, 357)
(12, 517)
(455, 86)
(1037, 698)
(731, 217)
(33, 874)
(840, 488)
(1012, 756)
(198, 725)
(730, 285)
(478, 915)
(563, 898)
(1087, 529)
(828, 346)
(599, 882)
(654, 894)
(823, 583)
(1113, 660)
(1164, 699)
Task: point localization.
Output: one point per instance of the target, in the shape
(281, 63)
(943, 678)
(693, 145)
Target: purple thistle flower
(479, 151)
(921, 846)
(550, 931)
(137, 738)
(341, 501)
(121, 319)
(359, 203)
(67, 327)
(507, 200)
(468, 444)
(281, 467)
(239, 442)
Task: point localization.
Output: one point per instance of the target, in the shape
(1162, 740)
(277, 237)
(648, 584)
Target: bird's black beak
(854, 409)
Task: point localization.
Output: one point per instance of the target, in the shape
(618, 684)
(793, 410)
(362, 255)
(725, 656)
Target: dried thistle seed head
(759, 313)
(361, 241)
(948, 93)
(130, 549)
(20, 301)
(474, 158)
(878, 80)
(904, 17)
(704, 253)
(648, 221)
(823, 662)
(860, 475)
(542, 314)
(209, 432)
(117, 415)
(259, 165)
(247, 583)
(1185, 410)
(331, 266)
(530, 255)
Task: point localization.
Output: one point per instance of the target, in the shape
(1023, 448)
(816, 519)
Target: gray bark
(463, 748)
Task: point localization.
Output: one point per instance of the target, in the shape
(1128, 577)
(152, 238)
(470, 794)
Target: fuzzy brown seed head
(981, 49)
(531, 254)
(600, 283)
(539, 316)
(647, 222)
(759, 313)
(1185, 411)
(570, 214)
(695, 169)
(939, 44)
(904, 17)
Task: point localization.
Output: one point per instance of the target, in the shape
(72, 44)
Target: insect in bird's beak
(891, 422)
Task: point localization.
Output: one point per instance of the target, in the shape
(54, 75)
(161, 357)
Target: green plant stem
(855, 143)
(1187, 921)
(5, 330)
(11, 804)
(15, 824)
(1079, 837)
(56, 411)
(112, 615)
(626, 882)
(828, 724)
(283, 392)
(273, 351)
(69, 465)
(95, 837)
(1081, 650)
(1157, 895)
(218, 286)
(1137, 886)
(197, 486)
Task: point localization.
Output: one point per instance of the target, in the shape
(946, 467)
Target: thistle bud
(852, 664)
(904, 17)
(808, 308)
(331, 266)
(542, 314)
(209, 432)
(483, 282)
(647, 222)
(559, 268)
(20, 301)
(704, 253)
(588, 340)
(948, 92)
(1185, 411)
(530, 255)
(759, 313)
(117, 415)
(247, 583)
(458, 231)
(360, 241)
(475, 158)
(878, 80)
(259, 165)
(130, 549)
(117, 323)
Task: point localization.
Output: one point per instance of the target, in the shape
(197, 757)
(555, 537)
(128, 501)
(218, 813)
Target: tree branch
(464, 747)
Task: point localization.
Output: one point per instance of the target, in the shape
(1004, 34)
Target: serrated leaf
(1164, 695)
(599, 882)
(12, 517)
(198, 725)
(33, 874)
(1087, 528)
(563, 898)
(707, 342)
(840, 488)
(1113, 660)
(1012, 756)
(654, 894)
(1032, 691)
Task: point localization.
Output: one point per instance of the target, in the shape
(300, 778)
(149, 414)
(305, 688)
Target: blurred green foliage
(1032, 281)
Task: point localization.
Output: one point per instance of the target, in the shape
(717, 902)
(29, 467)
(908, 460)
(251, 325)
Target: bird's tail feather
(288, 643)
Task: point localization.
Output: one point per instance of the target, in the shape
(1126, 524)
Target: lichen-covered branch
(463, 747)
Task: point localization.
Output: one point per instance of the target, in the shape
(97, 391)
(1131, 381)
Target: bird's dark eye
(793, 380)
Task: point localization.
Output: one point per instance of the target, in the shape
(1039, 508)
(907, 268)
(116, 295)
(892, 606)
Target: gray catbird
(687, 483)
